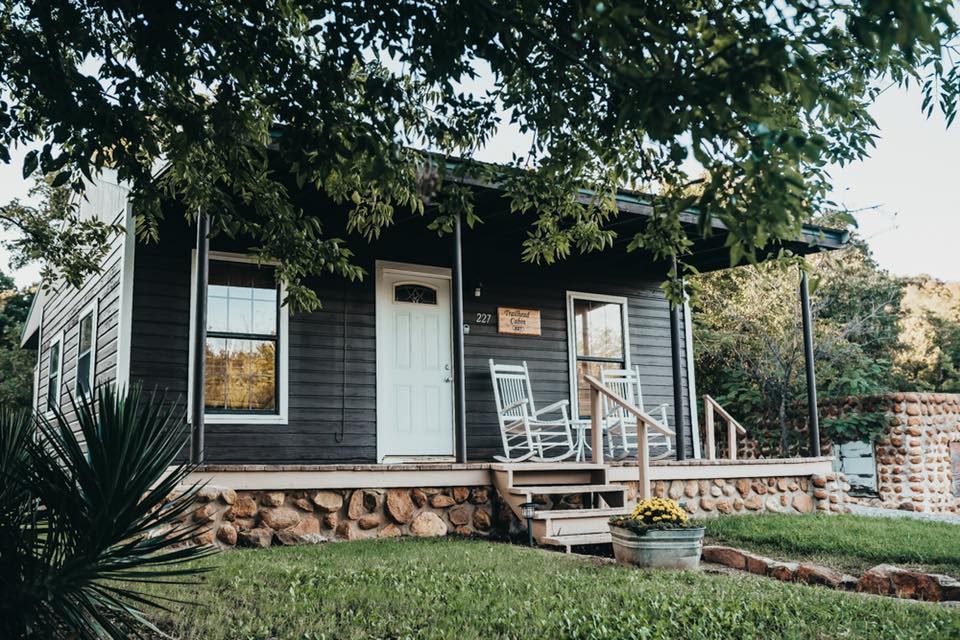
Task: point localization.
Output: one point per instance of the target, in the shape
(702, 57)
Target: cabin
(379, 414)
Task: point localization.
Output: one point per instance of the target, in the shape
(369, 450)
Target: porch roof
(709, 251)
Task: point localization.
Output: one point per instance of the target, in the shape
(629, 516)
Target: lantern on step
(527, 510)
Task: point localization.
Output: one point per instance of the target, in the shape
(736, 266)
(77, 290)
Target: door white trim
(382, 296)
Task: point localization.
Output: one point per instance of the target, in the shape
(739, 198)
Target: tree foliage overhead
(609, 94)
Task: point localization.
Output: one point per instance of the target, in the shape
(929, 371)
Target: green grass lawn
(469, 589)
(852, 543)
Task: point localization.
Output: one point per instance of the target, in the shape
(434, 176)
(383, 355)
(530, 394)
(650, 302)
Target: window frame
(572, 357)
(278, 416)
(92, 311)
(48, 410)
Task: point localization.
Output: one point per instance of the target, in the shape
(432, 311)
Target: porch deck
(255, 477)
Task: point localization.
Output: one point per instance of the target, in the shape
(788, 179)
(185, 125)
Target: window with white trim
(243, 339)
(598, 339)
(54, 362)
(86, 352)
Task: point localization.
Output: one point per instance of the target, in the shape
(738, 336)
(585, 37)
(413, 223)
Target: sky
(908, 189)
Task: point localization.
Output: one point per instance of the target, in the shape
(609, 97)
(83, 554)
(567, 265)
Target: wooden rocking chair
(622, 426)
(526, 434)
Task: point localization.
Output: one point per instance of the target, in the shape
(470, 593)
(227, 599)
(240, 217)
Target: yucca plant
(86, 517)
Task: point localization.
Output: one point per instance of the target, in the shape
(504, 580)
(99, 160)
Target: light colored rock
(676, 490)
(204, 537)
(307, 531)
(716, 492)
(330, 520)
(208, 494)
(229, 496)
(328, 501)
(724, 506)
(743, 486)
(399, 505)
(355, 508)
(460, 494)
(205, 512)
(390, 531)
(803, 503)
(690, 488)
(280, 517)
(303, 504)
(708, 504)
(428, 525)
(259, 537)
(227, 534)
(272, 498)
(369, 521)
(244, 507)
(441, 501)
(753, 503)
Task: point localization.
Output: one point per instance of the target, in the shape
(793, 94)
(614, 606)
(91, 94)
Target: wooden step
(552, 489)
(579, 513)
(576, 540)
(546, 466)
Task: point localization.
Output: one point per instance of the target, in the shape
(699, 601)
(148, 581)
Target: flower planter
(658, 548)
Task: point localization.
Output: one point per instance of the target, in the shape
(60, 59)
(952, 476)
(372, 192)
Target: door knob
(448, 379)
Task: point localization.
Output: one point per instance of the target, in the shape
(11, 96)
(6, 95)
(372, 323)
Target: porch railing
(644, 421)
(711, 407)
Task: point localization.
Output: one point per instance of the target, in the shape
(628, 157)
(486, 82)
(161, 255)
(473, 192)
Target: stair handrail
(644, 420)
(711, 406)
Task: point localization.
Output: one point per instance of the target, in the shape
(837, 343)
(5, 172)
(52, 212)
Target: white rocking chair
(526, 434)
(622, 426)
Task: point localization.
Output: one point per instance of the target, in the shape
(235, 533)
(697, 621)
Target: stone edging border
(883, 579)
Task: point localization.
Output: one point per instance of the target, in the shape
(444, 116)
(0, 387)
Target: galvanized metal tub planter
(678, 548)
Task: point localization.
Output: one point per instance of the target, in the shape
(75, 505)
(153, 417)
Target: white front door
(414, 362)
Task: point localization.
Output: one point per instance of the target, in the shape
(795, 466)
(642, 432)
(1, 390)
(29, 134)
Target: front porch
(257, 504)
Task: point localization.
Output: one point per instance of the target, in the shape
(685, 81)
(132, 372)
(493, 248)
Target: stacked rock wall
(802, 494)
(262, 518)
(913, 456)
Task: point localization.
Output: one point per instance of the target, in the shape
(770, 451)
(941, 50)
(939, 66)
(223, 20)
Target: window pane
(237, 294)
(415, 293)
(54, 365)
(240, 375)
(83, 373)
(583, 389)
(599, 329)
(86, 332)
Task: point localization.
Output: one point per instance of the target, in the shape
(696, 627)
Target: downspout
(814, 419)
(200, 340)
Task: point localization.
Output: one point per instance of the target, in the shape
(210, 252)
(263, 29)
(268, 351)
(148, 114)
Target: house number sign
(518, 322)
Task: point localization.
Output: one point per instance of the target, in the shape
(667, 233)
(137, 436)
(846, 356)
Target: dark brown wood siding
(332, 352)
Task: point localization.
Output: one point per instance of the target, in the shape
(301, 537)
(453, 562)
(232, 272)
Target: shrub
(86, 517)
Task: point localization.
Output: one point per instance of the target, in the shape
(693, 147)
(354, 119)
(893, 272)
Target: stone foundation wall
(913, 457)
(710, 498)
(262, 518)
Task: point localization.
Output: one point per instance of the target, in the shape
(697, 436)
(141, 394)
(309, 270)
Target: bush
(86, 517)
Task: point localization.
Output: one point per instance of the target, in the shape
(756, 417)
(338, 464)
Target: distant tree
(184, 99)
(750, 344)
(16, 364)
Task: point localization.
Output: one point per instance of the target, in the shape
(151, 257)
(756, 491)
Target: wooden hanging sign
(518, 322)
